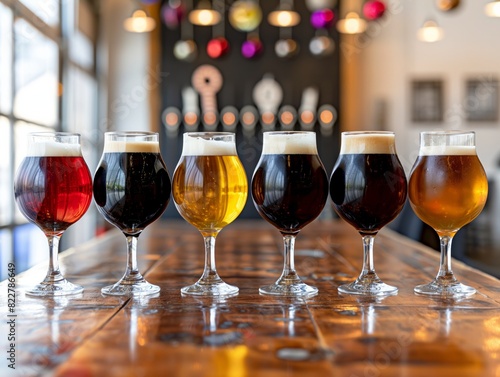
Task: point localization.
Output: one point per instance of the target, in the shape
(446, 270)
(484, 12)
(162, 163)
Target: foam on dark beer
(289, 143)
(367, 143)
(112, 146)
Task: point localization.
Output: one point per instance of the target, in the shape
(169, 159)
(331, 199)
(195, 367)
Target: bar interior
(249, 188)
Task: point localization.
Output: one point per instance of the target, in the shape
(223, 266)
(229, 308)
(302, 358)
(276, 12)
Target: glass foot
(122, 288)
(55, 288)
(368, 287)
(437, 288)
(290, 288)
(211, 289)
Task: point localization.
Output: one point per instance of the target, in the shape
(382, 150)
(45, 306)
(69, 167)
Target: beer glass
(53, 189)
(447, 190)
(289, 190)
(210, 190)
(131, 190)
(368, 189)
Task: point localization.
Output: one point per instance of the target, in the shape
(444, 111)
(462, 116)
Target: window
(47, 82)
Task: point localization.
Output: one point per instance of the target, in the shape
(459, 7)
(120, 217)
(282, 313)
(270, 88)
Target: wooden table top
(253, 335)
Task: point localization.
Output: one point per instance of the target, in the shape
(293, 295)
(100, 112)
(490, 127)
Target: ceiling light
(430, 32)
(351, 24)
(139, 22)
(492, 9)
(284, 16)
(204, 15)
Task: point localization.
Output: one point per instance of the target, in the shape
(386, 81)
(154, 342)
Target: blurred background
(248, 66)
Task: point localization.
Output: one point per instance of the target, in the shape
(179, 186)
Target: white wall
(390, 56)
(126, 62)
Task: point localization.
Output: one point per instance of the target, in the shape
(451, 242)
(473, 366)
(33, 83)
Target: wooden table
(252, 335)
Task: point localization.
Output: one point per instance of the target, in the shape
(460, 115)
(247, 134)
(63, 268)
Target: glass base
(436, 288)
(122, 288)
(368, 288)
(55, 288)
(295, 288)
(212, 289)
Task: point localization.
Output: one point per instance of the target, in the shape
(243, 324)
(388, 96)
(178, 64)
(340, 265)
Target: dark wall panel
(240, 76)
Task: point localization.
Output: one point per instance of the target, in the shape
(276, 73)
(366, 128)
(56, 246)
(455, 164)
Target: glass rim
(131, 133)
(371, 132)
(287, 132)
(53, 133)
(209, 133)
(447, 132)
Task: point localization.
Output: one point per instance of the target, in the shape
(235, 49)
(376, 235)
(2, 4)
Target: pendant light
(185, 48)
(139, 22)
(351, 24)
(430, 32)
(218, 46)
(284, 16)
(204, 15)
(492, 9)
(245, 15)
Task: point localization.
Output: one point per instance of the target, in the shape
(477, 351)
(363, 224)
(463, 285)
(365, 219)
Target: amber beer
(448, 187)
(368, 184)
(209, 186)
(53, 186)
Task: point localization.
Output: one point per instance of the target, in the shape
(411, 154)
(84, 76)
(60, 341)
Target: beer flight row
(131, 187)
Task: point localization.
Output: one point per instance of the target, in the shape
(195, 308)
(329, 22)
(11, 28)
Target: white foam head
(447, 150)
(198, 146)
(367, 143)
(54, 149)
(289, 143)
(113, 146)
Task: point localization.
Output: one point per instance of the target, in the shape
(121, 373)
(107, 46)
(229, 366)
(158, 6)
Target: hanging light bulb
(284, 16)
(139, 22)
(204, 15)
(492, 9)
(430, 32)
(351, 24)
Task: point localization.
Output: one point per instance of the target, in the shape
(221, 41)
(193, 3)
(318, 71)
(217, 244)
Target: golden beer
(210, 191)
(448, 191)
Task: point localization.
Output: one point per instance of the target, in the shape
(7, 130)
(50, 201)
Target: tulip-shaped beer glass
(368, 189)
(131, 190)
(210, 189)
(447, 190)
(289, 189)
(53, 189)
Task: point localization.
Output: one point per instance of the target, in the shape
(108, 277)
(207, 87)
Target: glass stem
(289, 257)
(210, 272)
(53, 273)
(368, 266)
(445, 260)
(132, 273)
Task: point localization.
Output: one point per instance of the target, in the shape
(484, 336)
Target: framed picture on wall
(427, 100)
(481, 99)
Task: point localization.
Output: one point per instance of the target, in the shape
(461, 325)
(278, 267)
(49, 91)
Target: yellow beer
(210, 191)
(448, 190)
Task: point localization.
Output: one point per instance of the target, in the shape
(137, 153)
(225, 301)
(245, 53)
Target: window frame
(60, 34)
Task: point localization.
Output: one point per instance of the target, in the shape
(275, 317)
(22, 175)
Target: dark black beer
(289, 190)
(368, 190)
(131, 189)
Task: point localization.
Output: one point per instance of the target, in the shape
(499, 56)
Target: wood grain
(251, 334)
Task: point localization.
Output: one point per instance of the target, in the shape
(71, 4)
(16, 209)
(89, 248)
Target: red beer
(53, 191)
